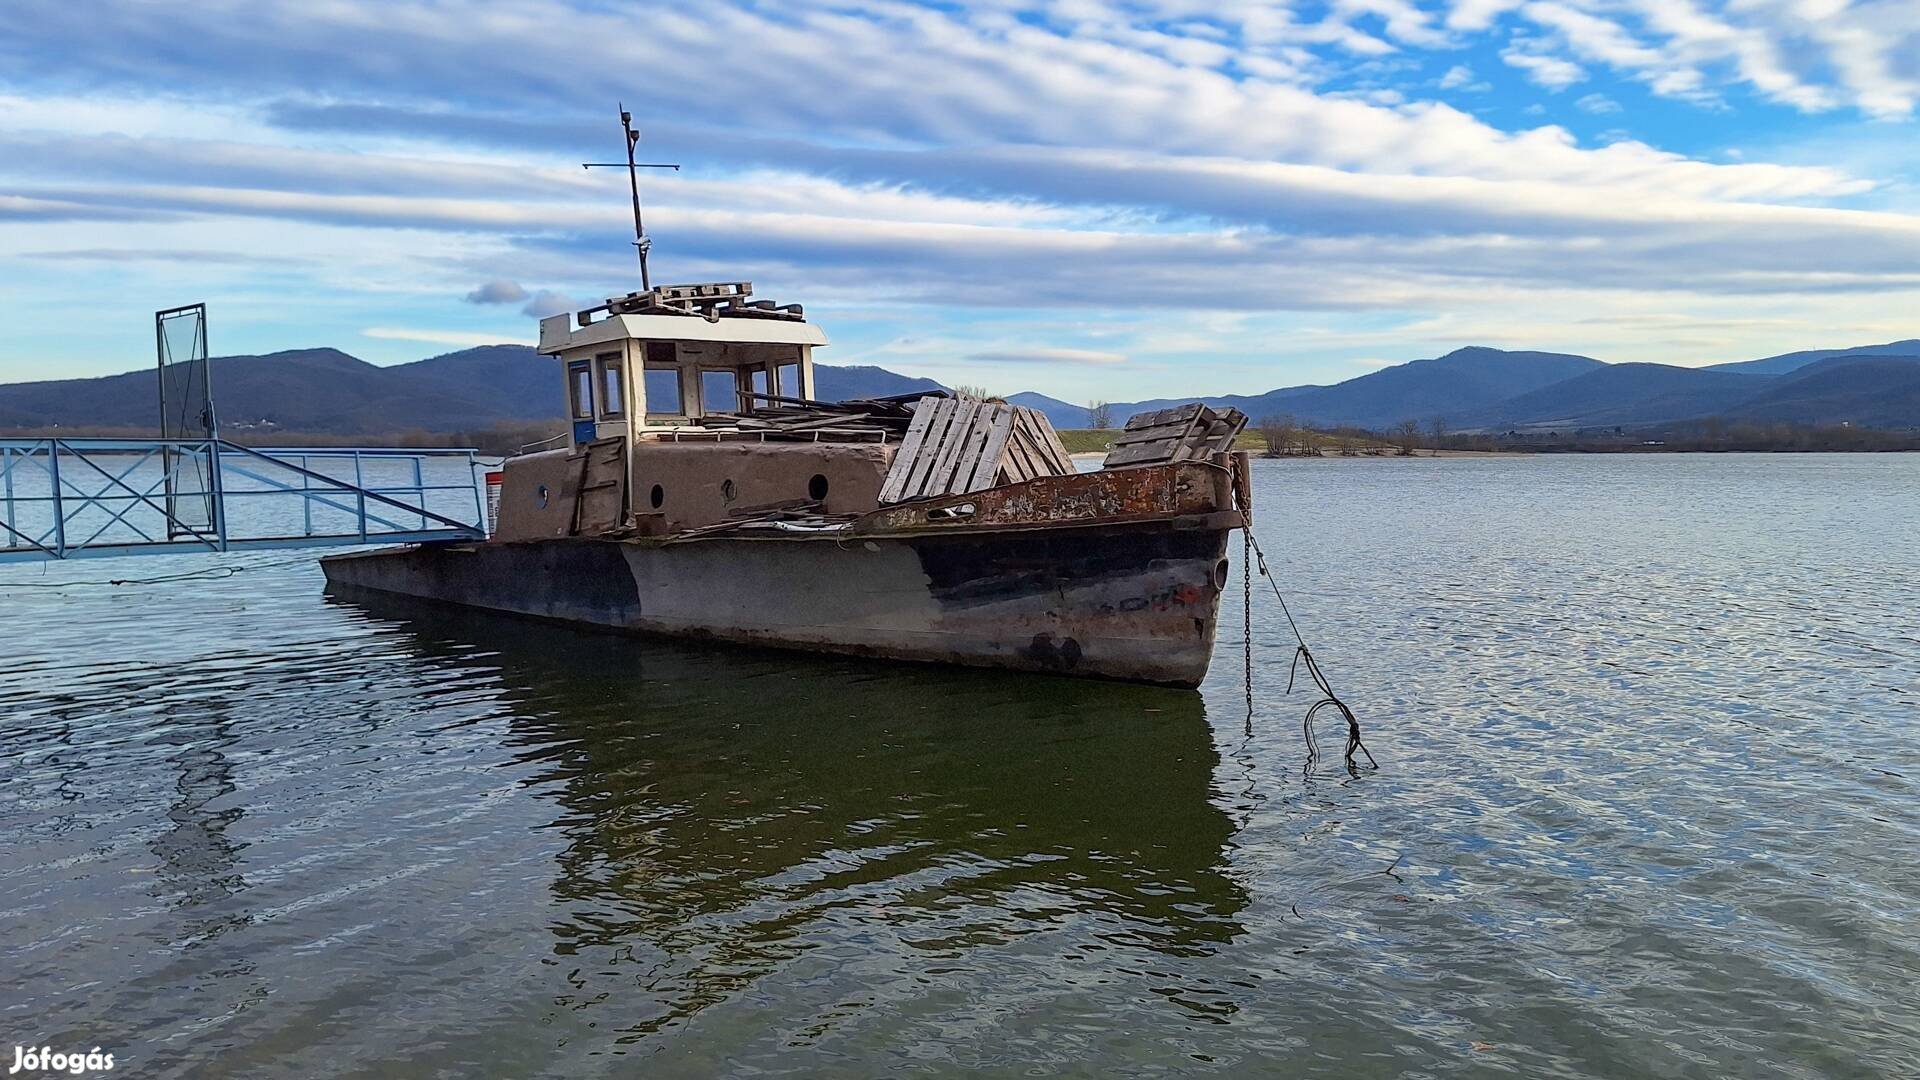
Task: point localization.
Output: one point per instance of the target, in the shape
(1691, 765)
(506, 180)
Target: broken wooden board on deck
(960, 444)
(1191, 432)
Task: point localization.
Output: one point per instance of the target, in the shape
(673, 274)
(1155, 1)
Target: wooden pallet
(961, 444)
(1190, 432)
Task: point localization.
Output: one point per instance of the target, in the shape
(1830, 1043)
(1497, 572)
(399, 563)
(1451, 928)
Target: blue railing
(76, 498)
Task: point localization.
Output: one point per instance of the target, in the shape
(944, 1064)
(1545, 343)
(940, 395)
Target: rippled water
(1646, 807)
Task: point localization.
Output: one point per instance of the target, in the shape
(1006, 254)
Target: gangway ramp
(82, 498)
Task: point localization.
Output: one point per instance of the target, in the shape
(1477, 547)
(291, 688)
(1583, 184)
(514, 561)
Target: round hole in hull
(728, 492)
(817, 487)
(657, 496)
(1220, 576)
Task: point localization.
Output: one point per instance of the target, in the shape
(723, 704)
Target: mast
(640, 241)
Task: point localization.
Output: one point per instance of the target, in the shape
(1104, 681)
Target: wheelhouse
(661, 360)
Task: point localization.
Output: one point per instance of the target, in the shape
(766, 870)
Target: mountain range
(327, 391)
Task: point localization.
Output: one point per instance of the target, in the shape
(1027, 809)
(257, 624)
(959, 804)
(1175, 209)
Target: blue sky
(1097, 198)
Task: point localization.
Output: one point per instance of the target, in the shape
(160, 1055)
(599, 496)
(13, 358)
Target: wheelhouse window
(661, 380)
(580, 382)
(613, 396)
(720, 390)
(789, 380)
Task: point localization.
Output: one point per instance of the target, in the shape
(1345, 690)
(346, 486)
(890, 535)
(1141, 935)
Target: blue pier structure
(191, 490)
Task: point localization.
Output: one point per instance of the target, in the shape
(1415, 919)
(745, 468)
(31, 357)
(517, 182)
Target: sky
(1109, 199)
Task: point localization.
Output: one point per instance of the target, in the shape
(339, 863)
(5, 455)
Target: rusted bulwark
(1108, 497)
(1114, 574)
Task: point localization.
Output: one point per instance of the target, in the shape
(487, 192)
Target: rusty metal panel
(1120, 495)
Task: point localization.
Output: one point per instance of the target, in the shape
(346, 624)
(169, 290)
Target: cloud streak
(1097, 158)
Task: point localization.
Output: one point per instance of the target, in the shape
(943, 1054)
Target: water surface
(1646, 807)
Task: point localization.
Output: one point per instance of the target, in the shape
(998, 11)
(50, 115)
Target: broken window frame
(580, 389)
(612, 374)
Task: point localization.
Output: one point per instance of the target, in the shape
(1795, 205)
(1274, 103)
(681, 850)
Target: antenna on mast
(640, 240)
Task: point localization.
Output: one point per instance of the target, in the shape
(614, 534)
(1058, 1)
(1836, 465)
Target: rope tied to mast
(1302, 658)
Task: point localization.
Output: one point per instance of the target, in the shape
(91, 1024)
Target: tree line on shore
(1282, 435)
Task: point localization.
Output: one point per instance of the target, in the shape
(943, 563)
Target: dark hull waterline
(1135, 602)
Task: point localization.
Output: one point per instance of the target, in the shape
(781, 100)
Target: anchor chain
(1302, 657)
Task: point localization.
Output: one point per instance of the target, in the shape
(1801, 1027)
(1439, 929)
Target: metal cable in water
(1246, 618)
(1302, 656)
(204, 573)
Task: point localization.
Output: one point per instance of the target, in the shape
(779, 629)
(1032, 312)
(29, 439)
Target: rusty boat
(703, 492)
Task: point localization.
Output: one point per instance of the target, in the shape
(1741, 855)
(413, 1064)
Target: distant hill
(325, 391)
(834, 382)
(1060, 414)
(1460, 383)
(322, 390)
(1879, 391)
(1787, 363)
(1620, 394)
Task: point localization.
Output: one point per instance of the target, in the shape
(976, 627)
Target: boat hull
(1137, 602)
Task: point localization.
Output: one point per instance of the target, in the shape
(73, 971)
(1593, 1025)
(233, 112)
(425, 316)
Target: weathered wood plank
(959, 438)
(1021, 453)
(903, 461)
(937, 434)
(1141, 453)
(1050, 439)
(1149, 434)
(1177, 414)
(987, 469)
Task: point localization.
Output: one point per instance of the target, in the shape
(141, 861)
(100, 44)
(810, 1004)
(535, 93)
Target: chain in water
(1246, 617)
(1302, 656)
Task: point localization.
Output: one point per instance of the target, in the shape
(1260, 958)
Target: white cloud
(1047, 356)
(1106, 158)
(1551, 72)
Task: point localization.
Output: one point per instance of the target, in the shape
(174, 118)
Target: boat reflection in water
(848, 830)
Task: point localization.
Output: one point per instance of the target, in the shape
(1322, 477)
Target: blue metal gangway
(81, 498)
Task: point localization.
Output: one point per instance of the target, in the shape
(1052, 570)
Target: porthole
(658, 496)
(728, 492)
(1220, 576)
(540, 496)
(817, 488)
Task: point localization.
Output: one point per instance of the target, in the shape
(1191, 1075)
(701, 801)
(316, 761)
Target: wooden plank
(1030, 456)
(1044, 447)
(1019, 454)
(602, 491)
(972, 450)
(1149, 434)
(937, 433)
(939, 419)
(1177, 414)
(1050, 439)
(953, 449)
(987, 469)
(1142, 453)
(896, 481)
